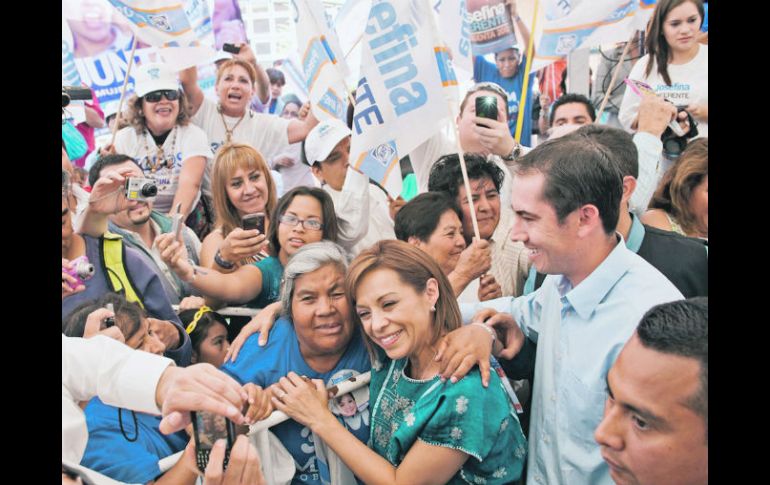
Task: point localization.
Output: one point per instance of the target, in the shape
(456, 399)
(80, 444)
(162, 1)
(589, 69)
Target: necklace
(161, 160)
(229, 131)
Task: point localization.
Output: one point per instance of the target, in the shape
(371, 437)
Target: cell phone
(640, 89)
(254, 221)
(208, 428)
(109, 321)
(231, 48)
(486, 107)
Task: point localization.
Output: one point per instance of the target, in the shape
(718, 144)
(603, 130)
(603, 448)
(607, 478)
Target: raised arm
(189, 79)
(190, 180)
(238, 287)
(298, 129)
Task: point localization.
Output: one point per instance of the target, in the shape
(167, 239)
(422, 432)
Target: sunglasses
(155, 96)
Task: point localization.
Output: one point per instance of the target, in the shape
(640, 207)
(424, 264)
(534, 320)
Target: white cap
(323, 138)
(154, 77)
(221, 56)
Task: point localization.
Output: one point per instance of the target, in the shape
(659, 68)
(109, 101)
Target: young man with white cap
(362, 208)
(163, 142)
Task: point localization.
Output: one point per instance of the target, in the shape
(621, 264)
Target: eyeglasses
(309, 224)
(155, 96)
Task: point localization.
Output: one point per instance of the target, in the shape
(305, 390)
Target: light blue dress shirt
(579, 333)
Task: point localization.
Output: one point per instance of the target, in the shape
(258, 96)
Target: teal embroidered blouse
(463, 416)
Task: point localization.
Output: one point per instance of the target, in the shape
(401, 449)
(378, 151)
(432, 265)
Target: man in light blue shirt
(566, 198)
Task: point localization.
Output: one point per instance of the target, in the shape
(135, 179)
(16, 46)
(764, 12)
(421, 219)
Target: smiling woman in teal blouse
(423, 430)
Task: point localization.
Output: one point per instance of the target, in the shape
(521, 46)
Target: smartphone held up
(208, 428)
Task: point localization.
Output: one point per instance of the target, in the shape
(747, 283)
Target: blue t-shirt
(111, 454)
(485, 71)
(272, 273)
(266, 365)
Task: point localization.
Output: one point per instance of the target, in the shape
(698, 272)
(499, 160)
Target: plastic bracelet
(221, 262)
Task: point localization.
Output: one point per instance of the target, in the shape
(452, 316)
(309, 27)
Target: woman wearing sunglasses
(303, 215)
(167, 147)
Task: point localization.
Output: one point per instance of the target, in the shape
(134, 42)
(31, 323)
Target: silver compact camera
(139, 188)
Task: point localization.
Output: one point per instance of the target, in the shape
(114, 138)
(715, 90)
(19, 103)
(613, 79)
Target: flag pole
(123, 92)
(464, 171)
(523, 98)
(615, 76)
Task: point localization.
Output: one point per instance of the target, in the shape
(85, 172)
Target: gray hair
(306, 260)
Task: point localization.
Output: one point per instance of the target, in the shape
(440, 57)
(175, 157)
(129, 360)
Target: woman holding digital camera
(676, 64)
(168, 148)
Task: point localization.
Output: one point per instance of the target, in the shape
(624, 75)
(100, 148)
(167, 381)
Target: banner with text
(401, 96)
(491, 26)
(322, 60)
(181, 29)
(576, 24)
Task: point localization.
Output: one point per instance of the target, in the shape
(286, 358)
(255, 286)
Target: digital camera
(80, 269)
(674, 144)
(139, 188)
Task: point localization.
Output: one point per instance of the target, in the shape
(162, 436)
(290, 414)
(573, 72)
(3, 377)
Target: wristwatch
(515, 153)
(221, 262)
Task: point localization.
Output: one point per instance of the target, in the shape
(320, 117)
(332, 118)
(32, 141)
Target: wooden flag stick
(123, 92)
(466, 182)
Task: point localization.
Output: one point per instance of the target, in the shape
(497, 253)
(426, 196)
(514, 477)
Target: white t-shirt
(297, 174)
(268, 134)
(380, 225)
(183, 142)
(689, 85)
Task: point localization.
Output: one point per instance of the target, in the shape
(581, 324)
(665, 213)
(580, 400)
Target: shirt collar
(587, 295)
(635, 235)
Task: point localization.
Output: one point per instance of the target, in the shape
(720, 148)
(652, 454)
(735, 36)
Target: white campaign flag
(401, 96)
(455, 32)
(576, 24)
(322, 61)
(181, 29)
(352, 17)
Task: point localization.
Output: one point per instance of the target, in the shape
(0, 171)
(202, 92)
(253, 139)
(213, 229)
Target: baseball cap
(154, 77)
(221, 56)
(323, 138)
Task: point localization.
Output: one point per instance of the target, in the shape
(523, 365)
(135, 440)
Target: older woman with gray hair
(314, 337)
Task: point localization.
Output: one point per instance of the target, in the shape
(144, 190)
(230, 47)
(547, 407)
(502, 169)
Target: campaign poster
(491, 27)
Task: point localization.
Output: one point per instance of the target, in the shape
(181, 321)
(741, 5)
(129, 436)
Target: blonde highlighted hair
(414, 268)
(252, 72)
(230, 157)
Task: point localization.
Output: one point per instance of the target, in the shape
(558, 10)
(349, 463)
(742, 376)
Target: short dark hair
(682, 328)
(572, 98)
(291, 98)
(128, 315)
(201, 330)
(420, 216)
(577, 171)
(512, 48)
(330, 228)
(619, 142)
(275, 76)
(105, 161)
(446, 175)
